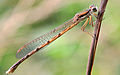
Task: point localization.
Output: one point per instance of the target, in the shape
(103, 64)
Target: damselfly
(32, 47)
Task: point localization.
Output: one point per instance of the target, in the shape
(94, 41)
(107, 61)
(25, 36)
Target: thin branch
(96, 36)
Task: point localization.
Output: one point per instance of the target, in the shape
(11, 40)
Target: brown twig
(96, 35)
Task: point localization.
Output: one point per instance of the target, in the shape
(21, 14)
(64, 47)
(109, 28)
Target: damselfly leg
(83, 27)
(90, 20)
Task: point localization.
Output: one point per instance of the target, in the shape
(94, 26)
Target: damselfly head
(93, 8)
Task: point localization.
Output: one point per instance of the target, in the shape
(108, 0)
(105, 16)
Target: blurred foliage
(68, 55)
(6, 5)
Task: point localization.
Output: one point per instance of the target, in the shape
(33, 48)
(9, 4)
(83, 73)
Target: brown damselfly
(37, 44)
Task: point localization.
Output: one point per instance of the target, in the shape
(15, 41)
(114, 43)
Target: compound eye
(94, 9)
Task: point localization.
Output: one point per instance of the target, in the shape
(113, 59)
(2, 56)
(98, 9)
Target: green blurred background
(23, 20)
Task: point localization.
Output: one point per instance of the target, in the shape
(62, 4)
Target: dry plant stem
(96, 35)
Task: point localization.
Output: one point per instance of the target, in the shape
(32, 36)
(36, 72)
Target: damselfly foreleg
(83, 27)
